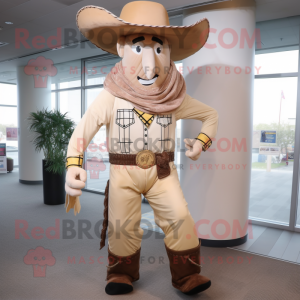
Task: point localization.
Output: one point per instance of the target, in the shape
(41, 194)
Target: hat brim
(103, 29)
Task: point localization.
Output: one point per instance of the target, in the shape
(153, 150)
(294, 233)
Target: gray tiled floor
(262, 279)
(275, 243)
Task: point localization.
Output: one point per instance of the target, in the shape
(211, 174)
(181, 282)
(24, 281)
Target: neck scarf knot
(158, 100)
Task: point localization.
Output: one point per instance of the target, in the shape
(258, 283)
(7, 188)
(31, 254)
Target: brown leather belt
(145, 159)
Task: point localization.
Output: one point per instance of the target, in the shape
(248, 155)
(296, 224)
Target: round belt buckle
(145, 159)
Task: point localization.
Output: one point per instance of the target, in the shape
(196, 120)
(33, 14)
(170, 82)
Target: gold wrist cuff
(76, 161)
(205, 140)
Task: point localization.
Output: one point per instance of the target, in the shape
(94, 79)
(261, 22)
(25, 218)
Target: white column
(217, 186)
(33, 95)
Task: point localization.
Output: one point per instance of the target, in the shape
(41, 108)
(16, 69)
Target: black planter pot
(54, 187)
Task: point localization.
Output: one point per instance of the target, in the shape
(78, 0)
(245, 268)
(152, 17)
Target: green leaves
(53, 131)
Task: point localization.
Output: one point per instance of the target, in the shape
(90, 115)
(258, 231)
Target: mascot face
(145, 59)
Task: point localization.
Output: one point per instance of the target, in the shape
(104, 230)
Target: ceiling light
(58, 48)
(9, 23)
(3, 44)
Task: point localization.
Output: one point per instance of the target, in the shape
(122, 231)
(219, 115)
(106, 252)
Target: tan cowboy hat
(103, 28)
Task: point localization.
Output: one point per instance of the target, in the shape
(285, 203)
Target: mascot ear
(120, 46)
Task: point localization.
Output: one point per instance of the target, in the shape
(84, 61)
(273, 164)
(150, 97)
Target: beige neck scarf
(158, 100)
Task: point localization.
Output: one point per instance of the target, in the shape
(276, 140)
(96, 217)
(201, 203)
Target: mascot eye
(36, 68)
(158, 50)
(137, 49)
(45, 68)
(35, 258)
(43, 258)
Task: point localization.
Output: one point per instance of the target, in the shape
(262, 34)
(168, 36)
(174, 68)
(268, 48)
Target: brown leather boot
(185, 268)
(121, 272)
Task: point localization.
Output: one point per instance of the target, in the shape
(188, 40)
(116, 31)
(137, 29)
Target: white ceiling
(42, 17)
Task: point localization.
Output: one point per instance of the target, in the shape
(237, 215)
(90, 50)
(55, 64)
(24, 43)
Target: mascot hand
(194, 148)
(75, 181)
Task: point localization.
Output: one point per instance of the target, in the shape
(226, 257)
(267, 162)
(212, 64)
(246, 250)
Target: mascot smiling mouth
(147, 81)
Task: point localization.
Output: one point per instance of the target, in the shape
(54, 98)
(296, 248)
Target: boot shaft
(127, 265)
(184, 263)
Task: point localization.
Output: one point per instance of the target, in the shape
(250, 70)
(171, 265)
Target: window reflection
(271, 181)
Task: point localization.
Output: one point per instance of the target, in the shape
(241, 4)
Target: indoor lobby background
(274, 207)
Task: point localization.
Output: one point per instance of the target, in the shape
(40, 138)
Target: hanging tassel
(105, 215)
(72, 202)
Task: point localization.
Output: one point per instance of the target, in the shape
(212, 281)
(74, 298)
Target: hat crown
(145, 13)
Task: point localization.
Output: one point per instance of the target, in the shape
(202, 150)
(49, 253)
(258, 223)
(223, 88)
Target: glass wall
(277, 62)
(179, 67)
(96, 156)
(70, 103)
(68, 75)
(97, 165)
(9, 118)
(66, 89)
(275, 102)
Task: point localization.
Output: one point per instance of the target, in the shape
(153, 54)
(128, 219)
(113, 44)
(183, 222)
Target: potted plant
(53, 131)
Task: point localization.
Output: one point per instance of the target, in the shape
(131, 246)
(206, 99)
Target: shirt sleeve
(194, 109)
(98, 114)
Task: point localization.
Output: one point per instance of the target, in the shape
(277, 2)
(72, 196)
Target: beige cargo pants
(165, 196)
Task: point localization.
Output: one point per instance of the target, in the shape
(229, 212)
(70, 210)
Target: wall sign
(268, 136)
(11, 133)
(269, 150)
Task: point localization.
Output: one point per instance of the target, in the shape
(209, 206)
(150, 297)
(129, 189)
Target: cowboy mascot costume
(143, 97)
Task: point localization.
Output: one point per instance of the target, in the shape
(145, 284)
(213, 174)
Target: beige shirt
(127, 134)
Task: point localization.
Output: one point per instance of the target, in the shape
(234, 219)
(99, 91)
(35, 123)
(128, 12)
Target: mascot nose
(148, 62)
